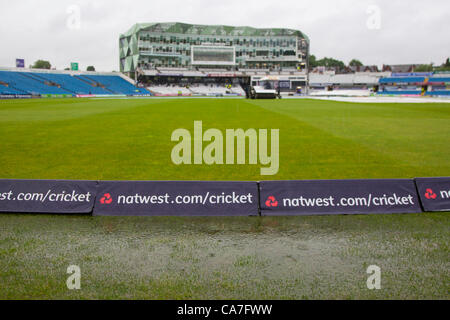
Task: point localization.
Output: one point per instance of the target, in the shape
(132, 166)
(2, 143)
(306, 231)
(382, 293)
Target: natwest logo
(271, 202)
(106, 199)
(430, 194)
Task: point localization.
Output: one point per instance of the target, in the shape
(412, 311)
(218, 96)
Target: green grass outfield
(201, 258)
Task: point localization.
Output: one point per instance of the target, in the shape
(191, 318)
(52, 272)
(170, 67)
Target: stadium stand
(74, 85)
(195, 89)
(402, 80)
(211, 48)
(238, 90)
(436, 79)
(55, 83)
(431, 85)
(401, 85)
(28, 84)
(114, 84)
(358, 84)
(210, 90)
(438, 85)
(168, 90)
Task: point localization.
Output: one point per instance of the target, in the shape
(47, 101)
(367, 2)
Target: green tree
(355, 63)
(90, 68)
(331, 63)
(424, 68)
(41, 64)
(444, 67)
(312, 61)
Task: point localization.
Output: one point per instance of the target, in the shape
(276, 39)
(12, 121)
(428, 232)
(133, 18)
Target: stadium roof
(196, 29)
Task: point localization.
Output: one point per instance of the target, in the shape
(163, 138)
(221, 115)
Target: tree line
(340, 65)
(313, 63)
(44, 64)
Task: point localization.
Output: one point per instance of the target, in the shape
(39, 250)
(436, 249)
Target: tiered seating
(238, 90)
(438, 93)
(22, 81)
(439, 86)
(72, 84)
(432, 80)
(170, 90)
(9, 81)
(436, 85)
(402, 92)
(196, 89)
(402, 80)
(388, 87)
(9, 90)
(16, 83)
(209, 90)
(115, 84)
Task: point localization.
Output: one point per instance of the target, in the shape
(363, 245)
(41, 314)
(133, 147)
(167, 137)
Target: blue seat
(438, 93)
(29, 84)
(116, 84)
(402, 80)
(439, 80)
(63, 83)
(73, 84)
(8, 90)
(401, 92)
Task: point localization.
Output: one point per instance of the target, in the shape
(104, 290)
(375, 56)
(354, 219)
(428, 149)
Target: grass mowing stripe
(415, 139)
(222, 258)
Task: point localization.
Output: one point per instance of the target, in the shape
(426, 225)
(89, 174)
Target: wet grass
(223, 258)
(131, 139)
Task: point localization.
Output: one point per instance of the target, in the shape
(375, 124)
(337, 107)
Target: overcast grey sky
(374, 31)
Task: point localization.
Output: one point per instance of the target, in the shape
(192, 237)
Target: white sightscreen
(213, 55)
